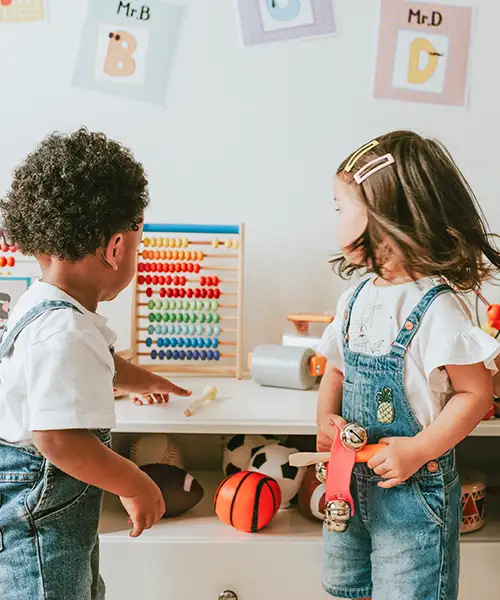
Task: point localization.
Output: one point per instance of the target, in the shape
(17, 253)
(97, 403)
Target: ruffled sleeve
(448, 337)
(330, 345)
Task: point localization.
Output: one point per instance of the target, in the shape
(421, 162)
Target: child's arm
(82, 455)
(329, 407)
(473, 387)
(134, 379)
(496, 377)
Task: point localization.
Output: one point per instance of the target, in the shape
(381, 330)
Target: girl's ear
(112, 251)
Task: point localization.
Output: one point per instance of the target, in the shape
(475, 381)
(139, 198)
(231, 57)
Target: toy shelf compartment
(241, 406)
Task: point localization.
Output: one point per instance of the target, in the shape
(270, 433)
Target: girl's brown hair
(424, 208)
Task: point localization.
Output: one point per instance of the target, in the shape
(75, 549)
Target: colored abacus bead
(189, 355)
(176, 354)
(163, 255)
(199, 330)
(163, 292)
(160, 342)
(182, 280)
(215, 343)
(203, 280)
(154, 354)
(216, 330)
(210, 293)
(173, 342)
(151, 304)
(169, 354)
(147, 267)
(161, 355)
(190, 267)
(214, 305)
(185, 317)
(140, 280)
(171, 267)
(203, 293)
(192, 330)
(159, 304)
(216, 355)
(149, 342)
(161, 280)
(210, 317)
(185, 242)
(181, 254)
(203, 355)
(189, 293)
(188, 343)
(197, 293)
(217, 293)
(182, 293)
(202, 317)
(177, 329)
(176, 280)
(228, 244)
(177, 268)
(183, 267)
(210, 355)
(185, 304)
(175, 293)
(180, 342)
(141, 267)
(178, 304)
(193, 317)
(151, 329)
(209, 281)
(208, 343)
(154, 267)
(196, 268)
(182, 355)
(216, 317)
(196, 355)
(151, 317)
(208, 330)
(158, 317)
(215, 243)
(166, 317)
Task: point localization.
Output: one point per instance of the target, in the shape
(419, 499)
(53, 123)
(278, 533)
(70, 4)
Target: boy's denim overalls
(402, 543)
(49, 547)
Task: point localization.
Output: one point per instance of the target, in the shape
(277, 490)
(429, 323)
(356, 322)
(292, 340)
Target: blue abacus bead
(160, 342)
(182, 355)
(157, 329)
(180, 342)
(210, 317)
(216, 355)
(210, 355)
(149, 342)
(215, 343)
(196, 355)
(208, 329)
(178, 329)
(153, 354)
(192, 329)
(189, 355)
(185, 329)
(151, 329)
(176, 354)
(171, 329)
(188, 343)
(203, 355)
(199, 330)
(169, 354)
(161, 355)
(173, 342)
(216, 330)
(194, 342)
(201, 342)
(164, 329)
(208, 343)
(166, 342)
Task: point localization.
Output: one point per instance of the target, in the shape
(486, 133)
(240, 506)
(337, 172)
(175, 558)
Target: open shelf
(241, 406)
(202, 525)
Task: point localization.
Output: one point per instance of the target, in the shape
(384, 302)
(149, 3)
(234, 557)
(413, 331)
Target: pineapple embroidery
(385, 410)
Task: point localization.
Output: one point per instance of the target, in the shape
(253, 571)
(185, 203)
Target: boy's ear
(112, 251)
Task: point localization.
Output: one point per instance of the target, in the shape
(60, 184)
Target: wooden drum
(473, 497)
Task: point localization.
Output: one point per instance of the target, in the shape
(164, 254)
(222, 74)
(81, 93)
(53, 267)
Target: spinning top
(353, 437)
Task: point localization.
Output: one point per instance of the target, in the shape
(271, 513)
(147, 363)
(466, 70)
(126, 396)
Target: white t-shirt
(60, 374)
(446, 336)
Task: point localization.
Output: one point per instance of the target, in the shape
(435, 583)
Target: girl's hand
(399, 461)
(159, 390)
(328, 427)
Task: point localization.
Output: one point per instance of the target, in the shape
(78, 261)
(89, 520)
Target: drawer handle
(228, 595)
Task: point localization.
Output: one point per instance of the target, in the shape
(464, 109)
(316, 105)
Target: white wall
(249, 134)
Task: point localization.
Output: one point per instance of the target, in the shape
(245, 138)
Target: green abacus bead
(151, 317)
(206, 305)
(166, 317)
(151, 329)
(202, 317)
(214, 305)
(210, 317)
(173, 317)
(151, 304)
(216, 317)
(185, 305)
(178, 305)
(166, 304)
(159, 304)
(199, 304)
(193, 317)
(185, 317)
(171, 304)
(158, 317)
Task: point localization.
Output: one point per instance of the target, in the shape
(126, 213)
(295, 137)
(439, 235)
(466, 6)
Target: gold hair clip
(358, 154)
(376, 164)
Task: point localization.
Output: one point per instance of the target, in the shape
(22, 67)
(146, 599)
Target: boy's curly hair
(72, 194)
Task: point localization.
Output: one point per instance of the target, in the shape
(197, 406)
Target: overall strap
(410, 328)
(348, 310)
(9, 337)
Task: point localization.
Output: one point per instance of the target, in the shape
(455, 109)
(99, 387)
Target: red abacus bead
(140, 268)
(189, 293)
(154, 266)
(168, 280)
(170, 293)
(210, 293)
(140, 279)
(161, 280)
(147, 267)
(182, 280)
(3, 261)
(182, 293)
(163, 292)
(4, 248)
(149, 292)
(196, 268)
(177, 267)
(217, 293)
(197, 293)
(11, 261)
(176, 280)
(203, 293)
(148, 279)
(184, 267)
(209, 281)
(171, 268)
(175, 293)
(215, 280)
(164, 268)
(155, 280)
(203, 280)
(189, 267)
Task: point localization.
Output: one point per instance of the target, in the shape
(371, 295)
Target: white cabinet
(196, 557)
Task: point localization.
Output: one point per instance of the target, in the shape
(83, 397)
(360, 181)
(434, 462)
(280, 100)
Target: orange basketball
(247, 500)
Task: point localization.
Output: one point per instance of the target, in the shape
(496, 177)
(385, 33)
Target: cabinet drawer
(201, 571)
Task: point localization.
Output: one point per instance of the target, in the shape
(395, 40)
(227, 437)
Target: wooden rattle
(209, 395)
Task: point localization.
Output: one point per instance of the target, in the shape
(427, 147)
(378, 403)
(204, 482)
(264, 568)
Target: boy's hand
(328, 427)
(146, 507)
(159, 390)
(399, 461)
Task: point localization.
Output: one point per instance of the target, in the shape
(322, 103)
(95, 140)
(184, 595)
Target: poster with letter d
(423, 52)
(128, 48)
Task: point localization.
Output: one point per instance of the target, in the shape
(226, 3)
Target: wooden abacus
(187, 312)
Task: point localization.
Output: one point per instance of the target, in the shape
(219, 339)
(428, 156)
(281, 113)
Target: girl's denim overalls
(402, 543)
(49, 547)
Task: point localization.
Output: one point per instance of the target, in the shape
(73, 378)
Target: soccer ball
(240, 449)
(272, 460)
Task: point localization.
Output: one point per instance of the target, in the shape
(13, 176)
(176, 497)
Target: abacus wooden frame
(195, 369)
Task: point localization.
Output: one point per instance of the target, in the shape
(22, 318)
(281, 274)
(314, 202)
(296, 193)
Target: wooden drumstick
(304, 459)
(209, 394)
